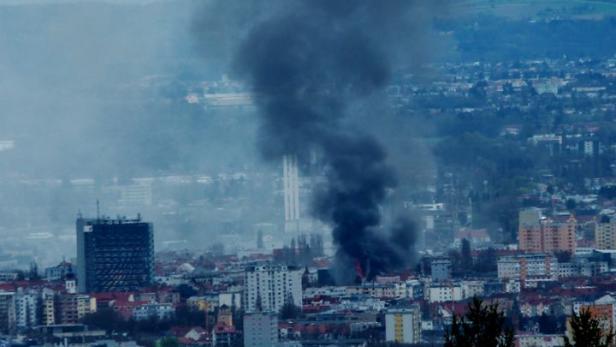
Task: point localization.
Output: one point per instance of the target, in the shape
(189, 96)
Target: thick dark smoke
(307, 63)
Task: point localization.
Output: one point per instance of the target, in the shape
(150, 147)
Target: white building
(148, 311)
(472, 288)
(231, 299)
(26, 309)
(508, 268)
(445, 293)
(403, 325)
(567, 270)
(272, 286)
(260, 329)
(527, 266)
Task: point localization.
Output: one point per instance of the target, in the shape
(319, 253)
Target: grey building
(441, 269)
(7, 312)
(260, 329)
(114, 255)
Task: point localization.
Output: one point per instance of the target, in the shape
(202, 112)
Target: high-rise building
(48, 307)
(605, 232)
(290, 181)
(114, 255)
(7, 312)
(268, 287)
(26, 308)
(403, 325)
(538, 233)
(260, 329)
(440, 269)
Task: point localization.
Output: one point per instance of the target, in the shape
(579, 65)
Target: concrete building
(260, 329)
(445, 292)
(71, 308)
(290, 181)
(114, 254)
(7, 312)
(525, 266)
(58, 272)
(605, 232)
(543, 340)
(440, 269)
(149, 311)
(26, 309)
(48, 307)
(403, 325)
(269, 287)
(538, 234)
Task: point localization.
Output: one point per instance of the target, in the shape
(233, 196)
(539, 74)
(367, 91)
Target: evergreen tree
(482, 326)
(586, 332)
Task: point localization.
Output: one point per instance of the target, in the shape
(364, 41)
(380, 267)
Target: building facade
(403, 325)
(260, 329)
(540, 234)
(114, 255)
(269, 287)
(522, 267)
(605, 232)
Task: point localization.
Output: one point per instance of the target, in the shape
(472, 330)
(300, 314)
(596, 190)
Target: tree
(168, 342)
(482, 326)
(186, 291)
(586, 331)
(289, 311)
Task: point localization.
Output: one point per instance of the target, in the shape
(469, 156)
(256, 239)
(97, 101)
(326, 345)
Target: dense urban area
(504, 148)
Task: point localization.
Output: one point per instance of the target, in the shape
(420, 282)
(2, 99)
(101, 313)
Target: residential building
(445, 292)
(525, 266)
(403, 325)
(149, 311)
(260, 329)
(543, 340)
(73, 307)
(440, 269)
(7, 312)
(48, 308)
(268, 287)
(538, 233)
(58, 272)
(114, 254)
(605, 232)
(26, 309)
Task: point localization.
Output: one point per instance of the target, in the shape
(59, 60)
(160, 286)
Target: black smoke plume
(307, 63)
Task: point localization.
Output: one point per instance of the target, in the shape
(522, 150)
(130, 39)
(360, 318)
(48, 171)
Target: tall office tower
(114, 255)
(290, 181)
(268, 287)
(403, 325)
(260, 329)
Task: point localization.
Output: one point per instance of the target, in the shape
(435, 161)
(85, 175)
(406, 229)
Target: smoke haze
(308, 62)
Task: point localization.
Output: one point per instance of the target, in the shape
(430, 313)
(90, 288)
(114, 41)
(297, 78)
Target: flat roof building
(114, 255)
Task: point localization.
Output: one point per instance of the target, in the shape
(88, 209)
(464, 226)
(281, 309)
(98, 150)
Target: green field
(537, 8)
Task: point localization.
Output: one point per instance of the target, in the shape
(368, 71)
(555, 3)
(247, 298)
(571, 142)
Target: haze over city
(307, 172)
